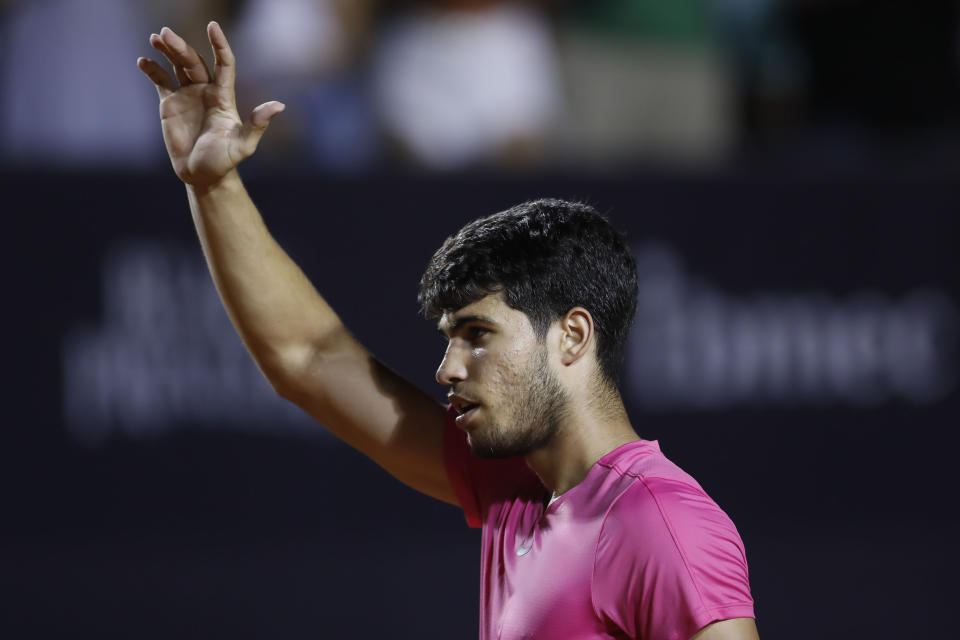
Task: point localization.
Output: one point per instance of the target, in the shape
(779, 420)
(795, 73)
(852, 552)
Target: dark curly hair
(546, 257)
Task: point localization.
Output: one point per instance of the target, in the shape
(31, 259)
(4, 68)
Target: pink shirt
(636, 550)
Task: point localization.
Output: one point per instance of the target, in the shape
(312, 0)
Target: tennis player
(588, 531)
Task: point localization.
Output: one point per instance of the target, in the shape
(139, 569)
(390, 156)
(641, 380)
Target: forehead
(490, 308)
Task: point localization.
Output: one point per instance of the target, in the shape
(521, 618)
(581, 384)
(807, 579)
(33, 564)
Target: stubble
(537, 409)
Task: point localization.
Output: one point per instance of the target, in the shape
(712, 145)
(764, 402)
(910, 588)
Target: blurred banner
(698, 346)
(795, 349)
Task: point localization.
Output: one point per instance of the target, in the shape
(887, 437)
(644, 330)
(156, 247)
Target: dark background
(848, 512)
(153, 486)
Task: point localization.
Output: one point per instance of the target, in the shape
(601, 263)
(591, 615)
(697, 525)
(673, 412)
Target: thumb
(256, 124)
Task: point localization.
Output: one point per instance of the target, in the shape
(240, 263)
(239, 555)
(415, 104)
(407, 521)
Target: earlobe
(577, 327)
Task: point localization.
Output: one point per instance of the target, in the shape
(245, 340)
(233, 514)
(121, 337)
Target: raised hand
(205, 137)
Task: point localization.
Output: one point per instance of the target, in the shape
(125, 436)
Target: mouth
(465, 413)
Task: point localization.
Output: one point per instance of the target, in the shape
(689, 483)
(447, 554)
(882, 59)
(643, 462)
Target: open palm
(202, 129)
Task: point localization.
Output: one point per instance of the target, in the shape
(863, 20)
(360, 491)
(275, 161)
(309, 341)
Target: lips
(464, 407)
(460, 404)
(464, 415)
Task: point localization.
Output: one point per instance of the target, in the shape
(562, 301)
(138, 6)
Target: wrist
(229, 182)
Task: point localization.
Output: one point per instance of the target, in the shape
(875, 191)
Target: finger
(184, 55)
(157, 43)
(254, 127)
(206, 69)
(170, 55)
(161, 79)
(262, 115)
(224, 70)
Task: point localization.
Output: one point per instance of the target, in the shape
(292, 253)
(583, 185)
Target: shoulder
(644, 459)
(661, 507)
(662, 516)
(665, 536)
(668, 557)
(657, 497)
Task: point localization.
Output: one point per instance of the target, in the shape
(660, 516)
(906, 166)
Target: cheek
(505, 378)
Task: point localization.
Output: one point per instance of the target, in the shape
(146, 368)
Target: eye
(474, 333)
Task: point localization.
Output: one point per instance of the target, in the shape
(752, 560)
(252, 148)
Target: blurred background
(786, 171)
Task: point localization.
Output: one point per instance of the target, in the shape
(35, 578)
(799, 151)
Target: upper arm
(374, 410)
(669, 562)
(735, 629)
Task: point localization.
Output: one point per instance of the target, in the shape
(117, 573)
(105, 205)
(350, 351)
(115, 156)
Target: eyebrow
(459, 322)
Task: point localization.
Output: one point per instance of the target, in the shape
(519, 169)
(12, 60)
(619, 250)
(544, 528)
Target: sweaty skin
(310, 358)
(296, 339)
(495, 366)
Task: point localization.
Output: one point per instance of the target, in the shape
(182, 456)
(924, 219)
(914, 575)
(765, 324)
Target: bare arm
(296, 339)
(734, 629)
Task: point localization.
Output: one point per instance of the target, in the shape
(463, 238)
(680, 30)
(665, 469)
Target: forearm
(295, 337)
(274, 307)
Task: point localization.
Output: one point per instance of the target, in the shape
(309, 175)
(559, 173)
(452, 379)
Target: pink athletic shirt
(636, 550)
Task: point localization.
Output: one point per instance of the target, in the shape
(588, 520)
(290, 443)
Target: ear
(576, 335)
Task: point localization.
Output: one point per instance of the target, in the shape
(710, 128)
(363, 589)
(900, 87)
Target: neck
(583, 437)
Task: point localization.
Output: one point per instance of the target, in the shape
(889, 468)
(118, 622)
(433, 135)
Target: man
(588, 531)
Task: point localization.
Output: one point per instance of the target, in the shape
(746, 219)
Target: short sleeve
(669, 562)
(479, 483)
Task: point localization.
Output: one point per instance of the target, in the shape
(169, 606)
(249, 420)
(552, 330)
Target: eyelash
(477, 332)
(472, 333)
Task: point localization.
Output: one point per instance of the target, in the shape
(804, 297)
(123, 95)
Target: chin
(482, 448)
(493, 449)
(479, 448)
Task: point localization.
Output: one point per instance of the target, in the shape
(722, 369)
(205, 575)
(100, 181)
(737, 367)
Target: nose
(452, 368)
